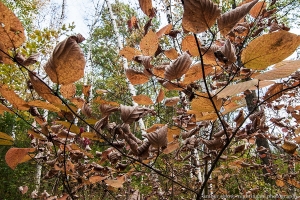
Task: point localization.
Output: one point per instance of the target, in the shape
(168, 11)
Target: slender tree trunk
(125, 63)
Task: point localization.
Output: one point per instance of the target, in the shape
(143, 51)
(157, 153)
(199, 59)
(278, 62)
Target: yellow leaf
(36, 135)
(269, 49)
(199, 16)
(15, 156)
(44, 105)
(71, 127)
(142, 99)
(149, 44)
(4, 136)
(129, 53)
(189, 44)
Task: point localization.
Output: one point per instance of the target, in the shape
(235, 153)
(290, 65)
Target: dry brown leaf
(146, 6)
(173, 86)
(195, 72)
(129, 53)
(209, 57)
(13, 98)
(149, 44)
(201, 103)
(262, 84)
(106, 109)
(189, 44)
(4, 109)
(15, 156)
(77, 101)
(179, 67)
(289, 146)
(274, 92)
(159, 71)
(129, 114)
(43, 105)
(142, 99)
(232, 90)
(29, 61)
(228, 51)
(171, 147)
(118, 183)
(154, 127)
(239, 119)
(258, 9)
(269, 49)
(213, 144)
(42, 89)
(11, 31)
(164, 30)
(172, 101)
(199, 15)
(297, 139)
(294, 183)
(86, 90)
(96, 179)
(67, 62)
(228, 20)
(158, 138)
(281, 70)
(99, 100)
(136, 77)
(171, 54)
(279, 183)
(160, 96)
(173, 132)
(68, 91)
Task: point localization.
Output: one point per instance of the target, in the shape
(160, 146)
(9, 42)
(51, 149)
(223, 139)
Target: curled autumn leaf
(199, 15)
(269, 49)
(136, 77)
(86, 110)
(29, 61)
(179, 67)
(158, 138)
(130, 114)
(228, 20)
(160, 96)
(172, 101)
(11, 31)
(228, 51)
(214, 144)
(144, 60)
(66, 65)
(106, 109)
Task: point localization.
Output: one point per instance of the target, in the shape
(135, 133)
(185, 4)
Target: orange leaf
(96, 179)
(195, 73)
(159, 71)
(199, 16)
(129, 53)
(172, 101)
(203, 104)
(154, 127)
(13, 98)
(11, 31)
(160, 96)
(258, 9)
(146, 6)
(149, 44)
(164, 30)
(68, 91)
(14, 156)
(44, 105)
(66, 65)
(232, 90)
(189, 44)
(142, 99)
(136, 77)
(171, 53)
(289, 147)
(171, 147)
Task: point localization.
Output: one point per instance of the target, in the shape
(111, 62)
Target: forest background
(161, 100)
